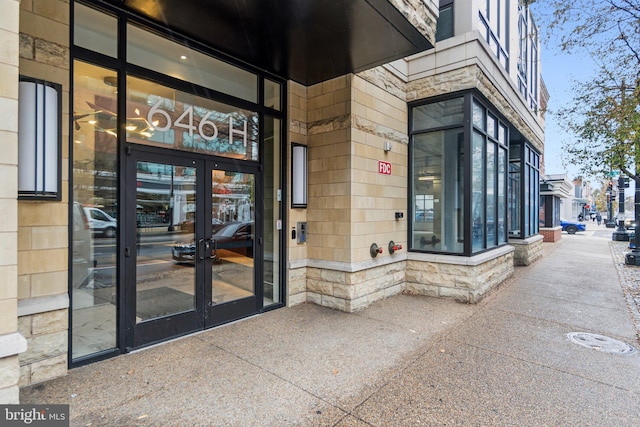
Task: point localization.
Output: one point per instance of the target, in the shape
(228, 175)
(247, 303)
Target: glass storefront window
(479, 117)
(514, 198)
(150, 209)
(438, 158)
(272, 211)
(95, 30)
(437, 192)
(532, 191)
(491, 126)
(272, 96)
(165, 117)
(478, 166)
(502, 134)
(438, 114)
(94, 211)
(173, 59)
(492, 218)
(502, 201)
(524, 190)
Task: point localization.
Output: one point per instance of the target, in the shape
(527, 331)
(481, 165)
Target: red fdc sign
(384, 167)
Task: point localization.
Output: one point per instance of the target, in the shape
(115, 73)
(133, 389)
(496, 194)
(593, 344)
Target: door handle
(209, 248)
(201, 248)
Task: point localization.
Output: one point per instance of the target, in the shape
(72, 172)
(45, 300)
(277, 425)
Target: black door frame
(206, 314)
(120, 65)
(233, 310)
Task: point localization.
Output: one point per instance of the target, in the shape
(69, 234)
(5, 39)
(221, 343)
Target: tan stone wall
(351, 205)
(329, 162)
(378, 117)
(43, 226)
(452, 278)
(347, 291)
(421, 14)
(11, 343)
(297, 125)
(527, 251)
(47, 337)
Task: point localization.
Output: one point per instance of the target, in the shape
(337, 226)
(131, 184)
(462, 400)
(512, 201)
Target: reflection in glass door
(165, 250)
(195, 249)
(233, 232)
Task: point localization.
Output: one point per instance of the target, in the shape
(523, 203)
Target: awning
(308, 41)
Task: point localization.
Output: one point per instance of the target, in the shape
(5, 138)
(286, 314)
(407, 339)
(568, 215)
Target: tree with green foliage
(604, 116)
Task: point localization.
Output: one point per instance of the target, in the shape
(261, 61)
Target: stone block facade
(43, 226)
(351, 205)
(421, 14)
(345, 125)
(527, 251)
(47, 345)
(466, 280)
(12, 343)
(352, 291)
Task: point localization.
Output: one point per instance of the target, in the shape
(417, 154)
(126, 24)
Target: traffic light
(626, 182)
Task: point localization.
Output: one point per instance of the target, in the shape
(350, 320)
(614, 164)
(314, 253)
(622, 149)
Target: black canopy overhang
(308, 41)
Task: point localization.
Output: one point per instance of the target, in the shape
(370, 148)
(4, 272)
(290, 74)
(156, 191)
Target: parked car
(630, 223)
(82, 256)
(101, 222)
(188, 225)
(234, 236)
(572, 227)
(424, 216)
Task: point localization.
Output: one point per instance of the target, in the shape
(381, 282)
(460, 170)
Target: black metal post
(610, 223)
(171, 227)
(621, 233)
(636, 201)
(633, 257)
(636, 235)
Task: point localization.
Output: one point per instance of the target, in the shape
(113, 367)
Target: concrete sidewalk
(405, 361)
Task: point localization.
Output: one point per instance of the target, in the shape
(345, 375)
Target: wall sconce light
(299, 176)
(39, 139)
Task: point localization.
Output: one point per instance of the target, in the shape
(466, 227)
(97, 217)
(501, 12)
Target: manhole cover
(601, 343)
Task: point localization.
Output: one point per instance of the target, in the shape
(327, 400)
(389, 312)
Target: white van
(82, 258)
(101, 222)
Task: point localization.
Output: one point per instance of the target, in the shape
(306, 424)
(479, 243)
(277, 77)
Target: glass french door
(234, 250)
(191, 247)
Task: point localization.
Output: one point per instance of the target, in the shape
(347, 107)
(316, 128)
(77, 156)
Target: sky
(559, 72)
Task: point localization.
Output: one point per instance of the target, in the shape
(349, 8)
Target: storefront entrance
(193, 251)
(180, 153)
